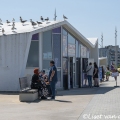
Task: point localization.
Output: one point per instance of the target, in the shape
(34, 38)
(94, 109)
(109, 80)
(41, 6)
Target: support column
(40, 51)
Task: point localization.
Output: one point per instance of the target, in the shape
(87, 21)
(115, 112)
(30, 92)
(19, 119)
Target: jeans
(52, 85)
(90, 80)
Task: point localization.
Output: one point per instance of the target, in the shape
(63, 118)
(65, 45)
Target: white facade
(14, 50)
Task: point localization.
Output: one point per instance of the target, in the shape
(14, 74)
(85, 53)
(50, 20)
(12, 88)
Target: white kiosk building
(27, 47)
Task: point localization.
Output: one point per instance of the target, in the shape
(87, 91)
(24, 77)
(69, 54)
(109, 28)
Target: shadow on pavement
(86, 91)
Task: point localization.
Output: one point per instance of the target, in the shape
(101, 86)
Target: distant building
(109, 52)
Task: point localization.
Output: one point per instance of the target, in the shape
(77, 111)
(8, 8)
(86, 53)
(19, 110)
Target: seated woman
(45, 77)
(35, 84)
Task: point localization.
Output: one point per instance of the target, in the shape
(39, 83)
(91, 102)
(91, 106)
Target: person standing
(95, 75)
(103, 74)
(107, 74)
(89, 72)
(53, 78)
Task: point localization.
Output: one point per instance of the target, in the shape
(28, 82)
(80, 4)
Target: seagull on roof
(13, 20)
(3, 30)
(42, 18)
(0, 20)
(47, 19)
(65, 17)
(8, 22)
(22, 21)
(33, 23)
(38, 23)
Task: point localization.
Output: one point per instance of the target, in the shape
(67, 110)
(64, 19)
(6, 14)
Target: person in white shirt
(89, 72)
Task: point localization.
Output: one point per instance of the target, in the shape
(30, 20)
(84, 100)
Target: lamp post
(116, 51)
(102, 40)
(116, 46)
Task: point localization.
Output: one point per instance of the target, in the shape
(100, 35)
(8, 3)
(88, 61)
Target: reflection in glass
(59, 78)
(65, 32)
(65, 48)
(71, 39)
(57, 49)
(33, 57)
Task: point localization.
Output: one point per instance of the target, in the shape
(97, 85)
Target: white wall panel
(13, 57)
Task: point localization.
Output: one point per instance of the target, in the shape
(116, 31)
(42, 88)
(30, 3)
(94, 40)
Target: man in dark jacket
(53, 78)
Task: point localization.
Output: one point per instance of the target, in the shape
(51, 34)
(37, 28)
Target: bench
(27, 94)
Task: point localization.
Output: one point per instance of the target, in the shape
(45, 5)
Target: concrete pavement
(69, 105)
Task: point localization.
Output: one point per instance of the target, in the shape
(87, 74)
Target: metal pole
(116, 51)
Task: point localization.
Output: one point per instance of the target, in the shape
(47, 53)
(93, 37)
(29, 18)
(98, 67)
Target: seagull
(7, 21)
(42, 18)
(39, 23)
(22, 21)
(0, 20)
(3, 30)
(13, 20)
(33, 23)
(47, 19)
(65, 17)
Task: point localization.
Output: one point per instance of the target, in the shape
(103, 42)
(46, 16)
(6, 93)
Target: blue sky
(90, 17)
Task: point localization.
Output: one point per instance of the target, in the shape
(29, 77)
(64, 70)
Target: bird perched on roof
(3, 30)
(22, 21)
(13, 20)
(8, 22)
(47, 19)
(13, 26)
(1, 22)
(42, 19)
(33, 23)
(38, 23)
(65, 17)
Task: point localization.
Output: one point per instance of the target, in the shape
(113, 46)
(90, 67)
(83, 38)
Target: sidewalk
(69, 105)
(105, 105)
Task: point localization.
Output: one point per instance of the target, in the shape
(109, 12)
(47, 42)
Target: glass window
(65, 32)
(46, 64)
(83, 51)
(71, 49)
(35, 36)
(71, 39)
(59, 78)
(33, 57)
(47, 45)
(57, 49)
(56, 30)
(47, 49)
(77, 49)
(65, 46)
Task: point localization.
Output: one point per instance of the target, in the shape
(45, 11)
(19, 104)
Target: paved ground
(77, 104)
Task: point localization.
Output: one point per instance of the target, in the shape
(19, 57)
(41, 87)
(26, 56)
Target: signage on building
(71, 49)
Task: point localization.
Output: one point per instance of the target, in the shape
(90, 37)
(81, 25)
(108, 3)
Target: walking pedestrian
(103, 74)
(107, 74)
(53, 78)
(114, 70)
(95, 75)
(89, 72)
